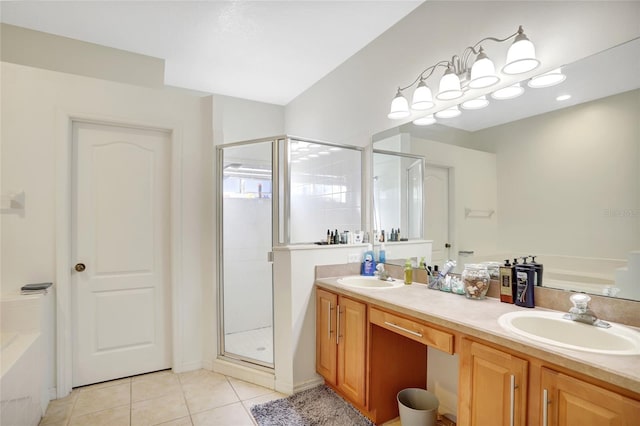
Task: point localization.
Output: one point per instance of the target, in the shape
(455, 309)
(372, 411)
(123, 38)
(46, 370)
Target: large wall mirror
(397, 195)
(539, 175)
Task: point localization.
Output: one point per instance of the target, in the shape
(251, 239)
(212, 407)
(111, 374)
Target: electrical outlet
(354, 257)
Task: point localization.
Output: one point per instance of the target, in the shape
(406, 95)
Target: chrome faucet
(580, 311)
(382, 274)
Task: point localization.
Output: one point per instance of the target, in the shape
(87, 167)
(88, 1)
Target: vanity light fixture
(509, 92)
(427, 120)
(450, 112)
(477, 103)
(547, 79)
(473, 69)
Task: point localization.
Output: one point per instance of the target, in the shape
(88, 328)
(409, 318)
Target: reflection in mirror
(397, 195)
(562, 178)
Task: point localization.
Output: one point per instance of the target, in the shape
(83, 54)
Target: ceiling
(269, 51)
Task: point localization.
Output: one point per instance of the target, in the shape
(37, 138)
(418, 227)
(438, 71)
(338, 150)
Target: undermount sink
(553, 329)
(359, 281)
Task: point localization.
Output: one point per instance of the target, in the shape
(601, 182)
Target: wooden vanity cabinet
(492, 386)
(568, 401)
(341, 337)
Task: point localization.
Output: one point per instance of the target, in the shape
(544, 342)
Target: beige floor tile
(158, 410)
(58, 412)
(166, 378)
(184, 421)
(93, 400)
(247, 390)
(233, 414)
(112, 417)
(201, 377)
(105, 384)
(263, 399)
(149, 389)
(204, 397)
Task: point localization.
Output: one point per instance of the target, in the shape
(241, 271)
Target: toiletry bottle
(514, 279)
(329, 237)
(524, 286)
(368, 262)
(408, 272)
(539, 269)
(382, 236)
(506, 289)
(532, 267)
(382, 254)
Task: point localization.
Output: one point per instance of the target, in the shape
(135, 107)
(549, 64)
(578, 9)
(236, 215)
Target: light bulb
(547, 79)
(425, 121)
(449, 86)
(477, 103)
(399, 107)
(450, 112)
(508, 92)
(422, 97)
(483, 72)
(521, 56)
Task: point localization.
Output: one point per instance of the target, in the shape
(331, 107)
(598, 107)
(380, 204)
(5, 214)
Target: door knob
(447, 245)
(80, 267)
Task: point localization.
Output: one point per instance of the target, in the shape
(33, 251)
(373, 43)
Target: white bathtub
(23, 395)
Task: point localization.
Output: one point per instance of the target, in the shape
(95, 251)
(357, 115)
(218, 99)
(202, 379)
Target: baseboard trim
(187, 366)
(299, 387)
(252, 375)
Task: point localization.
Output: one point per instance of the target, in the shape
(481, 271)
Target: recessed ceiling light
(324, 153)
(313, 155)
(547, 79)
(449, 112)
(563, 97)
(476, 103)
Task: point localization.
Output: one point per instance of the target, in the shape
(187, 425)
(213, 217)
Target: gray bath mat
(319, 406)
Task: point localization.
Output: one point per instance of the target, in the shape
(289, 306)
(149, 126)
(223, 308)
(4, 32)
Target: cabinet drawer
(413, 330)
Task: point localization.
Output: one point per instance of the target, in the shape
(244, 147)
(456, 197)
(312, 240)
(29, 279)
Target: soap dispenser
(408, 272)
(368, 262)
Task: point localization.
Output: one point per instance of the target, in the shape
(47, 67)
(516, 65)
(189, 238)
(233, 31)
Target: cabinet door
(326, 349)
(572, 402)
(493, 387)
(352, 320)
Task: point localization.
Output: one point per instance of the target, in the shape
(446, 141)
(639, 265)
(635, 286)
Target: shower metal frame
(280, 221)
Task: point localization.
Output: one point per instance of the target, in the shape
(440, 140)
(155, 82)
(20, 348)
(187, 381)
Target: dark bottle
(539, 269)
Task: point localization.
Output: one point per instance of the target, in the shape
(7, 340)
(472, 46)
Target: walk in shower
(275, 191)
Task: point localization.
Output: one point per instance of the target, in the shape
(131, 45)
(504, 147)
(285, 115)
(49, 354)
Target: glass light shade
(399, 107)
(483, 72)
(521, 56)
(477, 103)
(422, 97)
(508, 92)
(425, 121)
(547, 79)
(450, 112)
(449, 86)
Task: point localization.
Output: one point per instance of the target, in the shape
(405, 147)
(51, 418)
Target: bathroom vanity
(371, 343)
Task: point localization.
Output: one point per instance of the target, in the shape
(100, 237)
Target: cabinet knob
(80, 267)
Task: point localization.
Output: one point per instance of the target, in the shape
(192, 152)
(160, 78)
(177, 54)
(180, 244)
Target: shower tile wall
(325, 194)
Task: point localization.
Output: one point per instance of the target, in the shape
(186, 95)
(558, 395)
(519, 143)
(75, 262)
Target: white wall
(569, 180)
(31, 101)
(473, 185)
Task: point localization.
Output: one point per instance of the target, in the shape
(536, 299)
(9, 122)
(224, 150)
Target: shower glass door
(246, 276)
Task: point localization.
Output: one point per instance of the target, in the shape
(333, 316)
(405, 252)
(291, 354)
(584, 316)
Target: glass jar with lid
(475, 279)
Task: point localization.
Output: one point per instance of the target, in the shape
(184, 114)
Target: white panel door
(120, 285)
(436, 212)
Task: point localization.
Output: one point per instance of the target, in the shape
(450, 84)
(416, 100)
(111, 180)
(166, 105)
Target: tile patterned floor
(199, 398)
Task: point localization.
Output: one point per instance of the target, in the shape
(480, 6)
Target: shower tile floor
(256, 344)
(198, 397)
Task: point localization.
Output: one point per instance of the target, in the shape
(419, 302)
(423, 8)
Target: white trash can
(418, 407)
